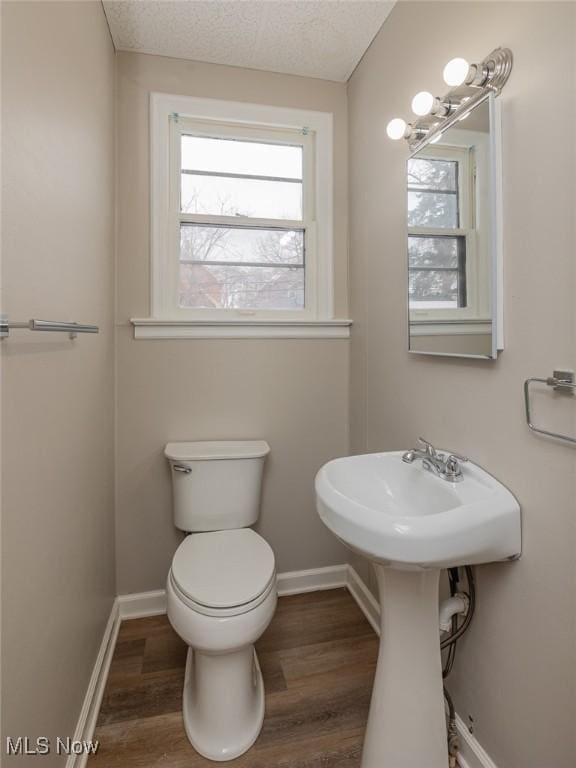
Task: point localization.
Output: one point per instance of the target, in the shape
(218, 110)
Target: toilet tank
(216, 485)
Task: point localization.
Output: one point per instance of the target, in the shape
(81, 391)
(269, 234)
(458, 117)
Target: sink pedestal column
(407, 725)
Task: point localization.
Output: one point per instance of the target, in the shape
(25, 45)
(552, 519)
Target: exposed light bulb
(396, 129)
(422, 103)
(456, 72)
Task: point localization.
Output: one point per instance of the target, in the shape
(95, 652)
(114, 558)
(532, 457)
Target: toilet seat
(236, 610)
(223, 573)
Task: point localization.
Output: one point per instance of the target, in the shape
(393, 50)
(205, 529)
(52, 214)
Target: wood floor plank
(160, 741)
(306, 619)
(317, 657)
(149, 696)
(272, 672)
(300, 714)
(164, 651)
(338, 659)
(127, 661)
(142, 629)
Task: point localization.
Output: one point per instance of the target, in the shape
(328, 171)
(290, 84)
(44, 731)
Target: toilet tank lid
(221, 449)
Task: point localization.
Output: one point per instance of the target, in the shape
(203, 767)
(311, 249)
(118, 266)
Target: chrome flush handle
(181, 468)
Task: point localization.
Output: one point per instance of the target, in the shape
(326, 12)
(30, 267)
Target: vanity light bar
(471, 84)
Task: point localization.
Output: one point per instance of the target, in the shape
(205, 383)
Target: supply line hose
(452, 733)
(450, 643)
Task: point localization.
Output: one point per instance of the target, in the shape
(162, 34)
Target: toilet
(221, 591)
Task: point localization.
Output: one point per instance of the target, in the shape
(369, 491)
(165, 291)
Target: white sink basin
(401, 514)
(411, 523)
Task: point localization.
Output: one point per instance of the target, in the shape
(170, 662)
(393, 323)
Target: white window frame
(167, 320)
(477, 295)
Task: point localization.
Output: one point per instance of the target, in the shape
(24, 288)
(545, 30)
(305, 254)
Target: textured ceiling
(314, 38)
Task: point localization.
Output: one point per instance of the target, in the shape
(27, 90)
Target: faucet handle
(452, 469)
(430, 450)
(456, 457)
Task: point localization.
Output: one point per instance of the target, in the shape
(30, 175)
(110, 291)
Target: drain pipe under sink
(456, 605)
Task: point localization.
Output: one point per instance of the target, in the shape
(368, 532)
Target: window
(241, 221)
(245, 217)
(440, 224)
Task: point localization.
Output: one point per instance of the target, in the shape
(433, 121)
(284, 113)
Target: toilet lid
(222, 569)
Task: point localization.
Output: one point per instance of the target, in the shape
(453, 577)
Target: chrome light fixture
(470, 83)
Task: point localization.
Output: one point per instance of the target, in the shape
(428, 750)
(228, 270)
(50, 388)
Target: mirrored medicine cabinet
(454, 237)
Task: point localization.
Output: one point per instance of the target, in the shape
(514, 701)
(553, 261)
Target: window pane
(233, 156)
(433, 289)
(433, 251)
(241, 197)
(239, 244)
(432, 209)
(433, 174)
(223, 286)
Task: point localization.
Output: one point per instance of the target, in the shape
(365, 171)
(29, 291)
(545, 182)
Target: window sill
(151, 328)
(450, 327)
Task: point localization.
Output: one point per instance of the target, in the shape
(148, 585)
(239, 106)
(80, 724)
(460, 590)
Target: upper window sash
(182, 127)
(464, 191)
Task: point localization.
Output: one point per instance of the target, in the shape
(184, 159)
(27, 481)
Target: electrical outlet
(470, 724)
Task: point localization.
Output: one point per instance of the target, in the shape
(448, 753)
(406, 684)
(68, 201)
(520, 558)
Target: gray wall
(293, 393)
(57, 395)
(516, 670)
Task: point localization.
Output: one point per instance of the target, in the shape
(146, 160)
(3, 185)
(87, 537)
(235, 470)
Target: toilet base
(223, 702)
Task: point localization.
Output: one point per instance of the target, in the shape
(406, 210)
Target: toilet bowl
(220, 606)
(221, 594)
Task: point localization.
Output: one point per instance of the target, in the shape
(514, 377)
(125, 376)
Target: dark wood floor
(318, 659)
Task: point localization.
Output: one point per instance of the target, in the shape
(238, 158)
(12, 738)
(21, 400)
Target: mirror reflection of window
(437, 239)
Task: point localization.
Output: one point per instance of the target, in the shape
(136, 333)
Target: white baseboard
(312, 580)
(365, 599)
(143, 604)
(471, 754)
(91, 707)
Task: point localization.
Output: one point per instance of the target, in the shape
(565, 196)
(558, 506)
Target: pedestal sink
(411, 524)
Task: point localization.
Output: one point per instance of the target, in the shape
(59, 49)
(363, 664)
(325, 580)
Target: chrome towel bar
(73, 329)
(561, 381)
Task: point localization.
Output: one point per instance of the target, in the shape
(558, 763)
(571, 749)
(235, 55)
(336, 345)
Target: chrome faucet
(445, 466)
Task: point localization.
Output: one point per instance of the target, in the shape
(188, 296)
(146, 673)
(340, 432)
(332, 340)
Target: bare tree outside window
(436, 262)
(241, 266)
